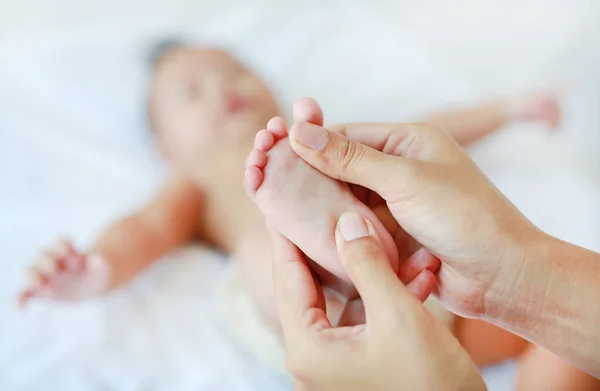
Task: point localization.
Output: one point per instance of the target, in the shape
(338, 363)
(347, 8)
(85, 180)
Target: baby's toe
(309, 110)
(34, 279)
(253, 178)
(264, 140)
(277, 127)
(60, 248)
(257, 158)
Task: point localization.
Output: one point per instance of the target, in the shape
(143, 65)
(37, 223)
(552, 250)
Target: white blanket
(74, 152)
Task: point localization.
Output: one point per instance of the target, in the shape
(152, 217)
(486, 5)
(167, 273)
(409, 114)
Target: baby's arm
(472, 124)
(170, 220)
(122, 251)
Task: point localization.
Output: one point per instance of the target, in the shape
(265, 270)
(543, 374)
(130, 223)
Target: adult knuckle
(363, 250)
(416, 172)
(349, 154)
(352, 257)
(411, 183)
(415, 142)
(372, 250)
(435, 134)
(338, 128)
(426, 128)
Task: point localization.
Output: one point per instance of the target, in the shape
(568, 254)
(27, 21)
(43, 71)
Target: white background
(74, 151)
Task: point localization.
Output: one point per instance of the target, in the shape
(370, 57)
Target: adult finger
(353, 313)
(422, 286)
(301, 308)
(299, 299)
(419, 141)
(367, 265)
(421, 260)
(347, 160)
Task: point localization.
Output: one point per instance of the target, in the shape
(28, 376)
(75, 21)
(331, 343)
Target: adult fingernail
(352, 226)
(311, 136)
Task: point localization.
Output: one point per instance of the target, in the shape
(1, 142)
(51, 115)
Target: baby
(205, 109)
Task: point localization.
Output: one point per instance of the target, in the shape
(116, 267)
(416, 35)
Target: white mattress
(74, 152)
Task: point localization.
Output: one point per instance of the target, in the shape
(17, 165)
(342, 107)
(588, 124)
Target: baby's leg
(471, 124)
(254, 257)
(542, 370)
(487, 344)
(538, 369)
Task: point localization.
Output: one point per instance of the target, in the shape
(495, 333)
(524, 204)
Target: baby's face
(202, 99)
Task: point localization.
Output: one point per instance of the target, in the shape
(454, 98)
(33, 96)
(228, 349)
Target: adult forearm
(554, 301)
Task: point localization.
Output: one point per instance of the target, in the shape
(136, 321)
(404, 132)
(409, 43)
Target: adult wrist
(516, 297)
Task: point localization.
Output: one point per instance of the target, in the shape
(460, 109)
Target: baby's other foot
(541, 106)
(300, 202)
(62, 273)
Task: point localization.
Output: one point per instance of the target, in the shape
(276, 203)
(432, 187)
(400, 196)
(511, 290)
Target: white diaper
(245, 324)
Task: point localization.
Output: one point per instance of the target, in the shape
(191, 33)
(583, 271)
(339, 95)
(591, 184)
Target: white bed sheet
(74, 152)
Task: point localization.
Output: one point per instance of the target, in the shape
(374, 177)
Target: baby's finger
(61, 247)
(74, 262)
(33, 287)
(47, 264)
(24, 298)
(57, 253)
(71, 260)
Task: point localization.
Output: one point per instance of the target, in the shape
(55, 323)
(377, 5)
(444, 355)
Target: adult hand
(400, 347)
(413, 258)
(436, 193)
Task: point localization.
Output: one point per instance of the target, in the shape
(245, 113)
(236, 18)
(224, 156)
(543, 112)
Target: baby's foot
(61, 273)
(300, 202)
(542, 106)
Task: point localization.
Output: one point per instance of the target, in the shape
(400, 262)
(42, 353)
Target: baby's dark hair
(159, 49)
(157, 52)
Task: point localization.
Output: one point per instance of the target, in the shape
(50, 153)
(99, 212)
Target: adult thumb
(365, 260)
(349, 161)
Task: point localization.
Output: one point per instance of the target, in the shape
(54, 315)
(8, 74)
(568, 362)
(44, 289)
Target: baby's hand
(542, 106)
(62, 273)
